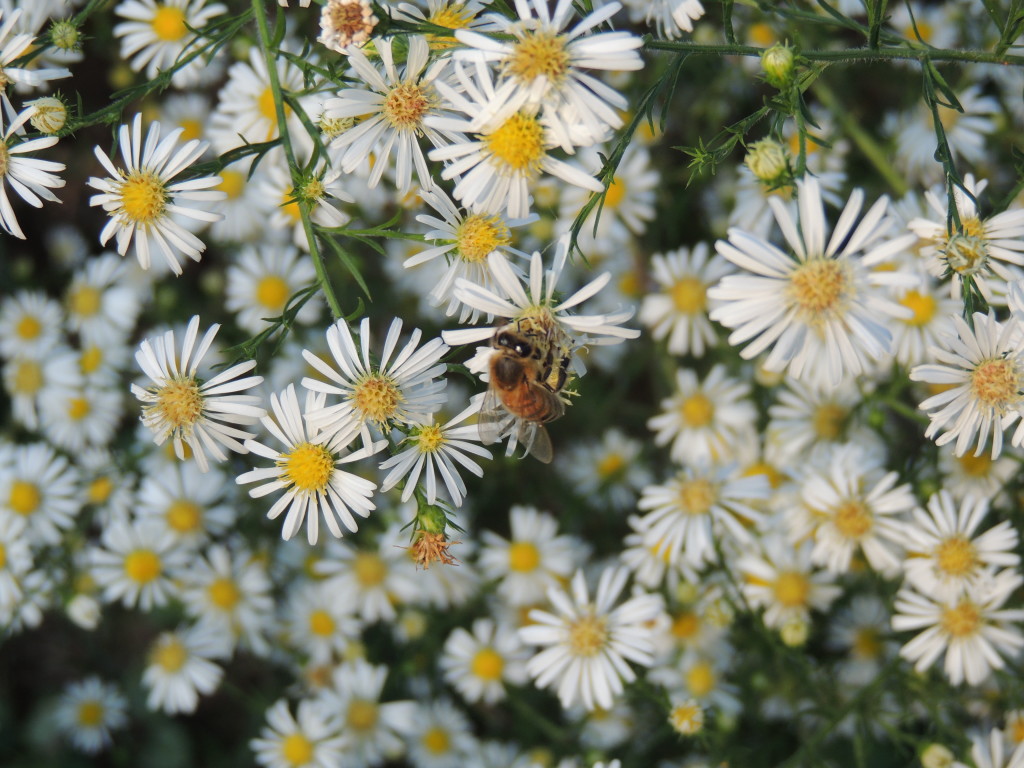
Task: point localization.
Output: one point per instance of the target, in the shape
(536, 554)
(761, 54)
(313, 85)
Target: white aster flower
(15, 561)
(157, 34)
(346, 25)
(307, 470)
(77, 418)
(102, 306)
(669, 17)
(263, 279)
(32, 179)
(199, 414)
(13, 47)
(138, 564)
(508, 151)
(320, 622)
(586, 644)
(945, 557)
(403, 388)
(181, 668)
(88, 711)
(993, 751)
(31, 325)
(142, 200)
(310, 739)
(544, 66)
(190, 504)
(442, 736)
(480, 663)
(40, 487)
(983, 370)
(437, 449)
(820, 309)
(606, 472)
(931, 320)
(974, 631)
(321, 190)
(678, 311)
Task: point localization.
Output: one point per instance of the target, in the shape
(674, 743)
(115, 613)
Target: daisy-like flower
(15, 560)
(137, 563)
(860, 631)
(508, 152)
(983, 370)
(610, 470)
(262, 280)
(670, 17)
(821, 309)
(705, 421)
(321, 190)
(27, 378)
(30, 325)
(465, 240)
(452, 14)
(74, 418)
(442, 736)
(915, 335)
(628, 203)
(587, 644)
(781, 579)
(88, 711)
(993, 751)
(437, 449)
(478, 664)
(102, 307)
(42, 488)
(319, 621)
(391, 113)
(308, 739)
(974, 631)
(971, 475)
(307, 470)
(544, 66)
(190, 504)
(698, 507)
(13, 47)
(981, 248)
(142, 199)
(373, 729)
(678, 310)
(181, 668)
(31, 178)
(345, 25)
(945, 557)
(403, 388)
(157, 33)
(849, 506)
(533, 559)
(178, 405)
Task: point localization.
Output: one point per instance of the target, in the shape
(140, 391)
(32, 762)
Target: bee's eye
(523, 350)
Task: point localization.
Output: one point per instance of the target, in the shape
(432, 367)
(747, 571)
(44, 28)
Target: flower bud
(794, 633)
(49, 114)
(767, 160)
(778, 63)
(84, 610)
(936, 756)
(65, 36)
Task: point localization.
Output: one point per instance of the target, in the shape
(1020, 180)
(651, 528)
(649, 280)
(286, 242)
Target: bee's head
(513, 343)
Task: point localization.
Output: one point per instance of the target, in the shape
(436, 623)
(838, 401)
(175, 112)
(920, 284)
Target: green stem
(286, 143)
(864, 141)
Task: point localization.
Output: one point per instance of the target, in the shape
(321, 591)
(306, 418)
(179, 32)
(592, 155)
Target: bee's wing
(492, 420)
(535, 441)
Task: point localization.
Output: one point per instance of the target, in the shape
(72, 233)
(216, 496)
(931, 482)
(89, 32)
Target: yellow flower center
(866, 643)
(922, 305)
(762, 34)
(615, 192)
(192, 129)
(452, 16)
(99, 490)
(685, 625)
(518, 144)
(90, 714)
(436, 741)
(609, 466)
(774, 476)
(697, 410)
(919, 29)
(523, 556)
(91, 359)
(170, 655)
(28, 377)
(142, 566)
(853, 519)
(376, 397)
(696, 497)
(791, 589)
(78, 408)
(28, 328)
(828, 421)
(406, 104)
(479, 235)
(488, 664)
(3, 556)
(997, 383)
(973, 227)
(232, 183)
(961, 620)
(701, 679)
(272, 292)
(588, 635)
(689, 295)
(84, 300)
(308, 467)
(1015, 727)
(184, 516)
(268, 110)
(975, 466)
(686, 718)
(169, 23)
(224, 594)
(321, 623)
(370, 569)
(539, 54)
(362, 715)
(956, 556)
(143, 197)
(819, 287)
(429, 438)
(5, 154)
(297, 750)
(24, 498)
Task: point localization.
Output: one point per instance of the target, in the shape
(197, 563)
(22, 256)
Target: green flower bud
(778, 63)
(767, 160)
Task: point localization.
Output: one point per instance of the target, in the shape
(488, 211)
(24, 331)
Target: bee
(528, 368)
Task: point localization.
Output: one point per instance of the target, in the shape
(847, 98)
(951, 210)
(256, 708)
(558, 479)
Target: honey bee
(528, 369)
